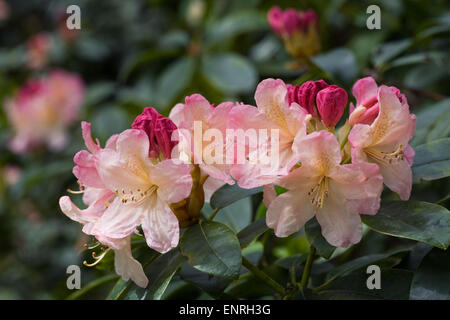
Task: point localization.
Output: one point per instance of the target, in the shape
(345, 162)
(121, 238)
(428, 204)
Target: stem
(213, 214)
(261, 275)
(307, 270)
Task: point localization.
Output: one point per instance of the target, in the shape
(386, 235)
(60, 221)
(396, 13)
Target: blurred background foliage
(133, 54)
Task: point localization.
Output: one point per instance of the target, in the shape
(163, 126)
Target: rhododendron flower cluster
(42, 110)
(298, 29)
(155, 175)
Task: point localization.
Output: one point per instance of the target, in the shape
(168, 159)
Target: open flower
(336, 194)
(299, 30)
(144, 188)
(202, 134)
(42, 110)
(385, 140)
(283, 123)
(97, 197)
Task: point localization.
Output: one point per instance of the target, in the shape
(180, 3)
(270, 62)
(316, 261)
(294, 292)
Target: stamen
(319, 192)
(129, 196)
(97, 258)
(93, 246)
(385, 157)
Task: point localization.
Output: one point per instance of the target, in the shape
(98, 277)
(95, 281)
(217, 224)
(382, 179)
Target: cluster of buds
(299, 31)
(320, 100)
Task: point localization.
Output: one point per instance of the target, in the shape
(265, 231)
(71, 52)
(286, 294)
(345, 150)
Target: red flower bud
(331, 103)
(159, 130)
(305, 95)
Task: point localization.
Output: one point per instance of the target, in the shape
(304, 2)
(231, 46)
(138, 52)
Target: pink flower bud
(159, 131)
(305, 95)
(291, 21)
(275, 17)
(308, 18)
(331, 103)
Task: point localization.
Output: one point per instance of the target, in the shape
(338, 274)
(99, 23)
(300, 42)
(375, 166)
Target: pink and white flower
(193, 119)
(336, 194)
(385, 140)
(273, 112)
(43, 109)
(97, 197)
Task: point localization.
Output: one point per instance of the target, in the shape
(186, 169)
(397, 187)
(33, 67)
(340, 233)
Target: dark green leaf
(416, 220)
(394, 285)
(212, 247)
(237, 215)
(314, 235)
(250, 233)
(432, 160)
(345, 70)
(228, 194)
(230, 73)
(390, 50)
(236, 23)
(174, 80)
(159, 274)
(212, 285)
(432, 280)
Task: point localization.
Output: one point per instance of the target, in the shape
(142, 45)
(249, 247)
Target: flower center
(386, 157)
(318, 193)
(135, 196)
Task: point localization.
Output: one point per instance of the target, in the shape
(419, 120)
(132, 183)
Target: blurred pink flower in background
(298, 29)
(4, 10)
(42, 110)
(38, 47)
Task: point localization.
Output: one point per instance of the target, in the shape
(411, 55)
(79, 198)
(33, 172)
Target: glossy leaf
(228, 194)
(432, 280)
(344, 71)
(250, 233)
(314, 235)
(421, 221)
(212, 247)
(230, 73)
(432, 160)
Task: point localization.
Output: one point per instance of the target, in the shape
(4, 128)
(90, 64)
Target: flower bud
(305, 95)
(331, 103)
(299, 30)
(159, 131)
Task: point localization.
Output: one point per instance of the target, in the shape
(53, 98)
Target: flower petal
(341, 226)
(160, 226)
(174, 180)
(289, 212)
(128, 267)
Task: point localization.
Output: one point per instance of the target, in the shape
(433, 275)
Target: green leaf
(174, 79)
(314, 235)
(230, 73)
(159, 272)
(212, 247)
(394, 285)
(361, 262)
(212, 285)
(226, 195)
(250, 233)
(237, 215)
(416, 220)
(235, 24)
(432, 280)
(427, 117)
(432, 160)
(390, 50)
(339, 63)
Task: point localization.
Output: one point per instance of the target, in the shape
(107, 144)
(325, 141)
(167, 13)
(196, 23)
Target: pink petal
(365, 91)
(174, 180)
(128, 267)
(340, 225)
(289, 212)
(160, 226)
